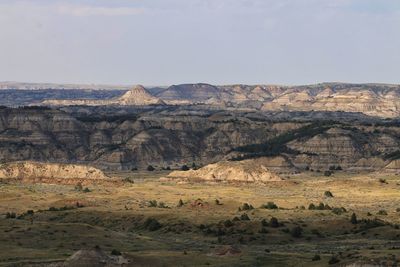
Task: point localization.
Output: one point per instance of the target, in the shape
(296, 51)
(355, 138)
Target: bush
(29, 212)
(328, 194)
(382, 181)
(382, 212)
(152, 224)
(246, 206)
(316, 257)
(152, 203)
(312, 207)
(264, 222)
(150, 168)
(217, 202)
(327, 173)
(296, 232)
(180, 203)
(115, 252)
(184, 168)
(228, 223)
(353, 218)
(86, 190)
(270, 205)
(11, 215)
(162, 205)
(244, 217)
(338, 211)
(333, 260)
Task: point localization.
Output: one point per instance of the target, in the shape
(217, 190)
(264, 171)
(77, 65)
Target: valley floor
(153, 223)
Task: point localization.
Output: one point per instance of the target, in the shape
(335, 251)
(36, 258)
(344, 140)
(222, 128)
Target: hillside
(137, 96)
(127, 138)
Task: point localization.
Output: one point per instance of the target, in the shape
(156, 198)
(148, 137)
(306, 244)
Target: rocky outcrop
(50, 173)
(393, 166)
(246, 171)
(138, 96)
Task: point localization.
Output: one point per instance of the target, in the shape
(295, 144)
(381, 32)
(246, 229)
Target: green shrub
(328, 194)
(184, 168)
(162, 205)
(270, 205)
(382, 212)
(150, 168)
(328, 173)
(152, 203)
(180, 203)
(246, 206)
(333, 260)
(115, 252)
(86, 190)
(338, 211)
(228, 223)
(152, 224)
(311, 206)
(11, 215)
(244, 217)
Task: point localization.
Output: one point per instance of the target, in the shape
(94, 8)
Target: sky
(164, 42)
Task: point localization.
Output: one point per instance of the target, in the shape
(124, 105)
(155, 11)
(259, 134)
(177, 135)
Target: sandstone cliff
(50, 173)
(246, 171)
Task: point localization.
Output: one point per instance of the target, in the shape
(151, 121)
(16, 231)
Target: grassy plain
(198, 232)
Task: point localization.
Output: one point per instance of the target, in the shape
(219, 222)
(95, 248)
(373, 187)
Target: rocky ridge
(51, 173)
(246, 171)
(138, 96)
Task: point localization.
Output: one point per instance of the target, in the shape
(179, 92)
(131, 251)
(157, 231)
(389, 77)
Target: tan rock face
(50, 173)
(246, 171)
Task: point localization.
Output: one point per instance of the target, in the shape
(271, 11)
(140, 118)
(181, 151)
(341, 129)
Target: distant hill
(382, 100)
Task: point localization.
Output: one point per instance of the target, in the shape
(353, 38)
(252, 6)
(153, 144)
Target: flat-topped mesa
(52, 173)
(245, 171)
(137, 96)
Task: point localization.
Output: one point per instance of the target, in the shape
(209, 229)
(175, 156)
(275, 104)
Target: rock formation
(50, 173)
(246, 171)
(138, 96)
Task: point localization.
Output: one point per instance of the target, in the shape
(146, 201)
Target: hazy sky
(163, 42)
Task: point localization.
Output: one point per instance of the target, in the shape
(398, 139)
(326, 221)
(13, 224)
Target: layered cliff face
(379, 100)
(50, 173)
(138, 96)
(124, 138)
(157, 137)
(370, 99)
